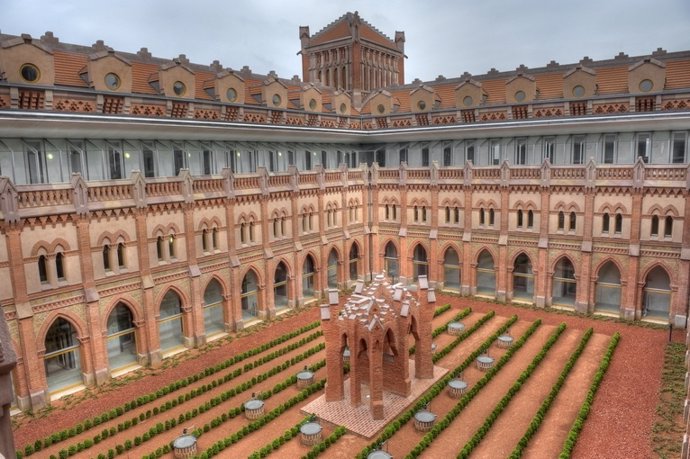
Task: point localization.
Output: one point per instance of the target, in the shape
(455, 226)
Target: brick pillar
(230, 304)
(194, 312)
(334, 355)
(631, 295)
(424, 365)
(151, 346)
(270, 305)
(267, 308)
(467, 273)
(372, 246)
(355, 372)
(584, 279)
(679, 308)
(433, 237)
(501, 278)
(404, 266)
(376, 377)
(541, 270)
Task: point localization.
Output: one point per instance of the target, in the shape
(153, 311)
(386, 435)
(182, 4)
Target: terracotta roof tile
(67, 67)
(339, 30)
(370, 34)
(550, 85)
(612, 80)
(403, 98)
(447, 94)
(677, 74)
(201, 78)
(140, 77)
(495, 91)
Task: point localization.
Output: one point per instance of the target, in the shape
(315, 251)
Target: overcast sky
(443, 37)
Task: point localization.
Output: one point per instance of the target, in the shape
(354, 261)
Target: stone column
(584, 283)
(631, 297)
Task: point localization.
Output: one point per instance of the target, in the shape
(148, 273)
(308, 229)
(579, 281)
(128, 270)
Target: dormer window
(646, 85)
(231, 94)
(277, 99)
(579, 91)
(30, 73)
(112, 81)
(520, 96)
(179, 88)
(468, 101)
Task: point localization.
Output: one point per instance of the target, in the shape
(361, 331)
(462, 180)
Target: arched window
(249, 296)
(283, 232)
(390, 261)
(395, 211)
(573, 222)
(214, 322)
(420, 264)
(605, 223)
(481, 216)
(486, 274)
(61, 360)
(619, 224)
(447, 214)
(656, 303)
(654, 230)
(416, 213)
(491, 217)
(276, 227)
(530, 219)
(305, 226)
(171, 246)
(106, 257)
(451, 270)
(121, 340)
(121, 255)
(354, 262)
(159, 248)
(519, 218)
(561, 220)
(280, 287)
(42, 269)
(60, 266)
(311, 221)
(204, 240)
(668, 226)
(564, 283)
(387, 212)
(170, 322)
(608, 291)
(423, 213)
(308, 272)
(214, 238)
(333, 269)
(456, 215)
(523, 278)
(251, 231)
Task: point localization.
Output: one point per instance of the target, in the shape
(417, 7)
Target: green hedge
(440, 385)
(176, 385)
(479, 385)
(575, 430)
(437, 331)
(288, 435)
(514, 389)
(546, 404)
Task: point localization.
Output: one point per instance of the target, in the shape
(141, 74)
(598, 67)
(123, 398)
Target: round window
(312, 104)
(381, 108)
(30, 72)
(277, 99)
(231, 94)
(421, 105)
(519, 96)
(112, 81)
(467, 101)
(578, 91)
(179, 88)
(646, 85)
(343, 108)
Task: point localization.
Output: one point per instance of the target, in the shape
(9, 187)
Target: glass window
(495, 152)
(608, 289)
(60, 266)
(159, 248)
(280, 287)
(42, 269)
(324, 159)
(333, 269)
(578, 149)
(564, 283)
(605, 222)
(550, 149)
(668, 226)
(106, 257)
(678, 148)
(644, 146)
(35, 162)
(354, 262)
(521, 152)
(30, 73)
(208, 162)
(179, 88)
(609, 153)
(530, 219)
(121, 255)
(481, 216)
(491, 217)
(561, 220)
(486, 274)
(619, 223)
(231, 94)
(170, 322)
(308, 277)
(178, 161)
(112, 81)
(214, 322)
(451, 270)
(115, 165)
(171, 246)
(307, 160)
(391, 261)
(420, 264)
(654, 231)
(519, 218)
(121, 338)
(425, 157)
(149, 164)
(573, 221)
(403, 155)
(62, 361)
(447, 156)
(523, 278)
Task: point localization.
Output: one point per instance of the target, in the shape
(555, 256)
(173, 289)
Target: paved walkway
(357, 419)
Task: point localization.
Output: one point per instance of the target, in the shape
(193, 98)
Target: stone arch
(184, 299)
(390, 342)
(113, 238)
(67, 315)
(485, 273)
(257, 272)
(137, 312)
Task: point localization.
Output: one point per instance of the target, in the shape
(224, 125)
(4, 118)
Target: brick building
(149, 204)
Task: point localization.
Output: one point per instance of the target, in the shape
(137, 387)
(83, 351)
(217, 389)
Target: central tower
(351, 54)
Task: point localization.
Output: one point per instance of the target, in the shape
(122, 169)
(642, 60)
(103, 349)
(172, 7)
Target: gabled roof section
(340, 28)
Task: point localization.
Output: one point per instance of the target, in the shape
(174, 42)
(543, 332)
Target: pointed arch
(353, 260)
(391, 260)
(451, 268)
(564, 282)
(485, 273)
(420, 261)
(121, 336)
(281, 290)
(249, 293)
(523, 276)
(214, 318)
(309, 278)
(608, 287)
(62, 351)
(657, 293)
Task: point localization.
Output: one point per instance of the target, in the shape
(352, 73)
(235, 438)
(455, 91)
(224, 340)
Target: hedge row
(441, 309)
(326, 443)
(514, 389)
(438, 355)
(571, 440)
(220, 445)
(438, 330)
(546, 404)
(288, 435)
(65, 434)
(440, 385)
(161, 427)
(479, 385)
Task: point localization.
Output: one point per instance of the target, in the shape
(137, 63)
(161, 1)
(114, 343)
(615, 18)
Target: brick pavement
(357, 419)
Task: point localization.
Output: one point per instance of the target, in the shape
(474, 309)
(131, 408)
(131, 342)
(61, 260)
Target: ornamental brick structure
(374, 324)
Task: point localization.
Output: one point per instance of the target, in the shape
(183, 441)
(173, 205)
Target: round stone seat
(253, 408)
(504, 341)
(456, 387)
(184, 446)
(378, 454)
(484, 362)
(310, 433)
(424, 420)
(305, 378)
(455, 328)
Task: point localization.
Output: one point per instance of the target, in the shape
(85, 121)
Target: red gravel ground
(619, 424)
